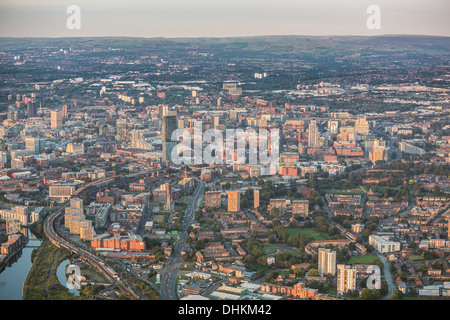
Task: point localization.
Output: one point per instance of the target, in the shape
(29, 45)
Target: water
(62, 278)
(14, 275)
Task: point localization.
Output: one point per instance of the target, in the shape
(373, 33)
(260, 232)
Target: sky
(221, 18)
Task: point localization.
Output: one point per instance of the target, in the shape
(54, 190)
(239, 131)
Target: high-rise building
(361, 125)
(346, 278)
(64, 110)
(168, 190)
(327, 261)
(76, 203)
(31, 109)
(87, 233)
(212, 199)
(256, 199)
(300, 207)
(121, 129)
(313, 135)
(379, 151)
(14, 113)
(168, 125)
(34, 144)
(333, 125)
(56, 119)
(234, 201)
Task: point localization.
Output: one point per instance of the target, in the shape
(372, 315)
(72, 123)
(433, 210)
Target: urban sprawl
(357, 206)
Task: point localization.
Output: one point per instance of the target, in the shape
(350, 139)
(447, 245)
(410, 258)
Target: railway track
(51, 231)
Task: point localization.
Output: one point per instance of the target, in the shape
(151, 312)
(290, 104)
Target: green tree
(397, 295)
(313, 272)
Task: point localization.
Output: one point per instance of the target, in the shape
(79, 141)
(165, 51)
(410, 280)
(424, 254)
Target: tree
(274, 213)
(200, 244)
(370, 294)
(422, 267)
(313, 272)
(436, 191)
(397, 295)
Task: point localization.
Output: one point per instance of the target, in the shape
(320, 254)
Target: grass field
(362, 259)
(416, 298)
(414, 257)
(159, 218)
(311, 233)
(343, 191)
(269, 249)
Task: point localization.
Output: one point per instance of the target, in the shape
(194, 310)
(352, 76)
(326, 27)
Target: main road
(169, 275)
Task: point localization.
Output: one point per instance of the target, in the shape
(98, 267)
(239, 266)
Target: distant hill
(435, 43)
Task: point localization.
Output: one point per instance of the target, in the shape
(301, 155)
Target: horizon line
(230, 37)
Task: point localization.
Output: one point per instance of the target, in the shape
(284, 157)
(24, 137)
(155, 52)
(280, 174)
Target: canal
(13, 276)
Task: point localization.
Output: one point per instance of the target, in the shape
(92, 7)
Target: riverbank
(42, 282)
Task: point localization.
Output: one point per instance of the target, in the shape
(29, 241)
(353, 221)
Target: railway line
(52, 224)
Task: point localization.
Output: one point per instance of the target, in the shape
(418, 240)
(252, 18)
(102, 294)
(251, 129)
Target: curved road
(387, 275)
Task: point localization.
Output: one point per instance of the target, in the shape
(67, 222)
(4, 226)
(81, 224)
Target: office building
(56, 119)
(31, 109)
(313, 135)
(63, 190)
(410, 149)
(168, 125)
(362, 125)
(121, 129)
(379, 151)
(34, 144)
(333, 125)
(383, 244)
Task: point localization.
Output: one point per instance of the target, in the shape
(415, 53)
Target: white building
(383, 244)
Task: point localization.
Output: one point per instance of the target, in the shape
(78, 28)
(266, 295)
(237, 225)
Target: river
(15, 273)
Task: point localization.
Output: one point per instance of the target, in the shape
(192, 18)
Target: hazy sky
(220, 18)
